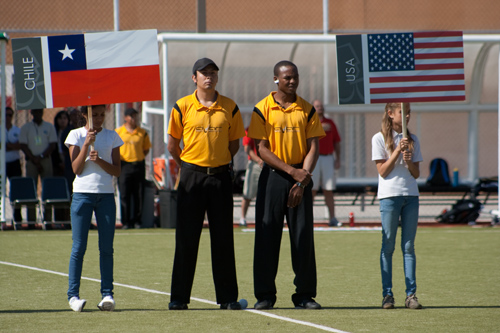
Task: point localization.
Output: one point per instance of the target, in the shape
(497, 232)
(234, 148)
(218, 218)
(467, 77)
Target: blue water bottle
(455, 177)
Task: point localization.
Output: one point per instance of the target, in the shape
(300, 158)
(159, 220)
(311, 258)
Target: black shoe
(263, 305)
(231, 306)
(309, 304)
(175, 305)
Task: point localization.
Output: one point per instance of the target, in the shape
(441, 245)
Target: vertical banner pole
(90, 123)
(498, 104)
(403, 116)
(3, 133)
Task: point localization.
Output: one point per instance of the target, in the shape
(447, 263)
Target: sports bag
(438, 175)
(463, 211)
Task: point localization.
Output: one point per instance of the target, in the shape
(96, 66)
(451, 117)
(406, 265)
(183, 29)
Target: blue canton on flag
(391, 52)
(67, 53)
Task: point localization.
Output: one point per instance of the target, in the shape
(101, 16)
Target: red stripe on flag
(417, 78)
(438, 66)
(106, 86)
(416, 89)
(427, 34)
(458, 55)
(419, 99)
(437, 45)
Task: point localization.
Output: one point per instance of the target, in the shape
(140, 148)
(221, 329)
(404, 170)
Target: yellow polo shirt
(287, 130)
(134, 144)
(206, 131)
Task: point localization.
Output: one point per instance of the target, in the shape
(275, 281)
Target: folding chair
(23, 193)
(55, 194)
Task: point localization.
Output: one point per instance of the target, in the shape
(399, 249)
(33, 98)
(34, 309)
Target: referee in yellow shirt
(286, 130)
(131, 181)
(210, 126)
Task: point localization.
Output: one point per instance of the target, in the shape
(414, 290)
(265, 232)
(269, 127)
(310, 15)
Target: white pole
(326, 70)
(498, 103)
(116, 21)
(403, 123)
(3, 92)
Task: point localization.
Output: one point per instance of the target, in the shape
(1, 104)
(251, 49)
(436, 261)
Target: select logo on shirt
(208, 129)
(287, 129)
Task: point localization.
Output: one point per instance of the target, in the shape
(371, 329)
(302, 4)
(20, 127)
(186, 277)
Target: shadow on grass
(69, 310)
(350, 308)
(424, 308)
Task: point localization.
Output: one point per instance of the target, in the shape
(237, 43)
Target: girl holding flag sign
(95, 158)
(397, 155)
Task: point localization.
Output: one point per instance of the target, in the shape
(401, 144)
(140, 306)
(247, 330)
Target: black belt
(207, 170)
(133, 163)
(296, 166)
(325, 154)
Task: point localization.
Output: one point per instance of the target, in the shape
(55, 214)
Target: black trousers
(131, 185)
(199, 193)
(271, 210)
(13, 169)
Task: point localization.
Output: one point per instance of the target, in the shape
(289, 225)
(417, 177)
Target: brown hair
(387, 126)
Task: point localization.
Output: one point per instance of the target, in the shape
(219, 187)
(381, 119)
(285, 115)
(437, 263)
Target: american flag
(413, 67)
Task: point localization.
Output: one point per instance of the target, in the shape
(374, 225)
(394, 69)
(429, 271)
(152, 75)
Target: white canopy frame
(473, 104)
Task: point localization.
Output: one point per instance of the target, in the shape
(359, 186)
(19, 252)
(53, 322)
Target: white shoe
(107, 304)
(243, 222)
(77, 304)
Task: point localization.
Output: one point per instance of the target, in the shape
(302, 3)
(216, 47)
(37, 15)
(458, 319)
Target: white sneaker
(77, 304)
(243, 222)
(107, 304)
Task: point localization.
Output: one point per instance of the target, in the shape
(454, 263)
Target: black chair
(23, 193)
(55, 194)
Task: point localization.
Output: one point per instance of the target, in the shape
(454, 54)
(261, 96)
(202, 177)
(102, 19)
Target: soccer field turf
(458, 277)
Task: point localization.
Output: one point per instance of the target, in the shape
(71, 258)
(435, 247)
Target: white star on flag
(67, 52)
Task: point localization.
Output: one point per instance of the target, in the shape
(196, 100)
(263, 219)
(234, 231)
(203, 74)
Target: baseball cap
(202, 63)
(130, 111)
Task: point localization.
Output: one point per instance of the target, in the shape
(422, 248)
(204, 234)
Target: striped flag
(401, 67)
(86, 69)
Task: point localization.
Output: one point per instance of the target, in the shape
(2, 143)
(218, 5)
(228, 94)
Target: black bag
(486, 185)
(438, 175)
(463, 211)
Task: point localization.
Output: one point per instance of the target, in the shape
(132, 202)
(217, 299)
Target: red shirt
(327, 143)
(249, 142)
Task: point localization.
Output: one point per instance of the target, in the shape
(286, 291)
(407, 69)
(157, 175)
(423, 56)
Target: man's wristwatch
(299, 184)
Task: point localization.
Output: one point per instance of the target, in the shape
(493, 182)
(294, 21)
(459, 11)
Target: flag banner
(86, 69)
(401, 67)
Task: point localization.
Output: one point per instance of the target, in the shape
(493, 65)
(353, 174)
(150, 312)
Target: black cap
(130, 111)
(203, 63)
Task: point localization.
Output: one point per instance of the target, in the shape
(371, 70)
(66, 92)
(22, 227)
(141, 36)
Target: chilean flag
(87, 69)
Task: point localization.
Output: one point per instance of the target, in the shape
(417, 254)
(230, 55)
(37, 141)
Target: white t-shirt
(93, 178)
(12, 136)
(399, 182)
(38, 137)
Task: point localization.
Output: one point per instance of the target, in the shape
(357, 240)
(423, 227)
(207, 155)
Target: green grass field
(458, 275)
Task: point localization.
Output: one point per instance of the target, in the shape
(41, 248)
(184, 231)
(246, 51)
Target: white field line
(262, 313)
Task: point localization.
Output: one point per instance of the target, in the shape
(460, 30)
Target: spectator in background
(254, 167)
(61, 121)
(75, 120)
(12, 156)
(136, 145)
(38, 140)
(324, 174)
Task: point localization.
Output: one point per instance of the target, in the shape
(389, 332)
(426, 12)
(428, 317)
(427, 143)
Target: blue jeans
(391, 209)
(82, 208)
